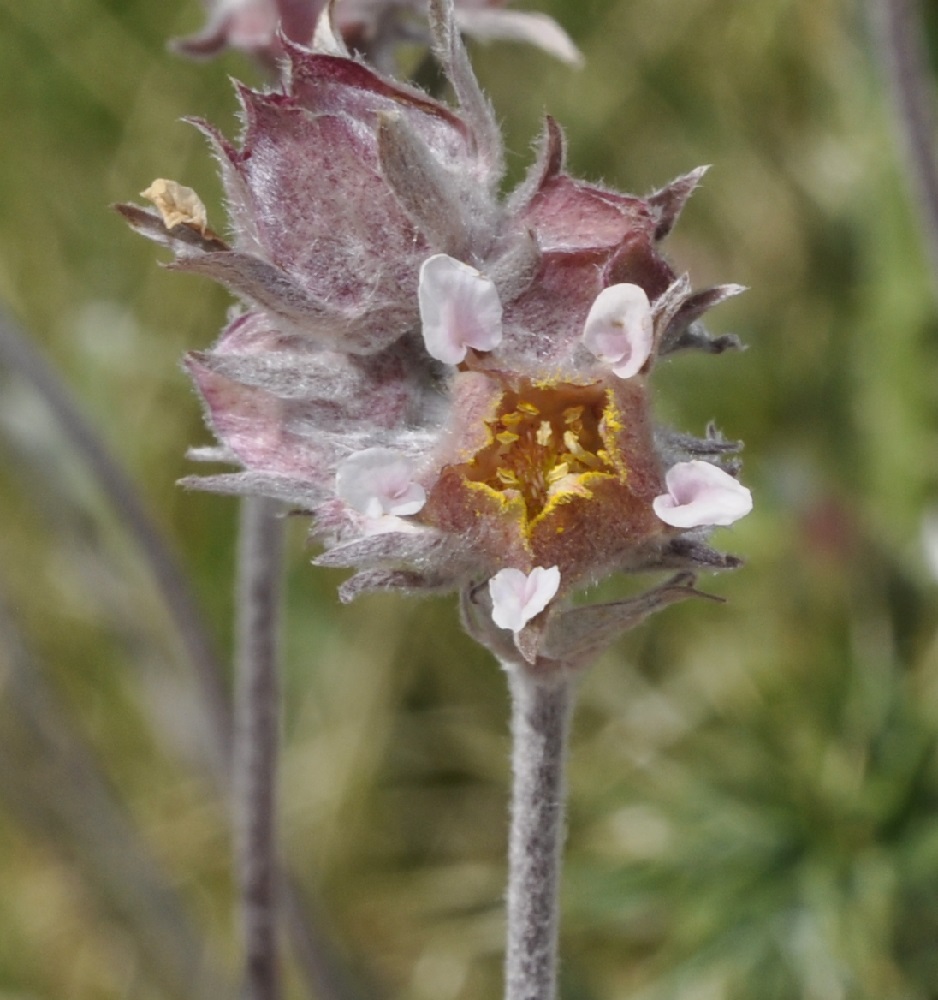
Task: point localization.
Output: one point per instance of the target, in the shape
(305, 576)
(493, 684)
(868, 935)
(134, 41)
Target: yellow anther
(545, 447)
(573, 445)
(577, 450)
(558, 472)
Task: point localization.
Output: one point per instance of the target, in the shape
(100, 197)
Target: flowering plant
(454, 384)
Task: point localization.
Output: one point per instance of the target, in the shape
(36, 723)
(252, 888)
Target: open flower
(619, 329)
(379, 481)
(459, 309)
(518, 597)
(401, 315)
(700, 494)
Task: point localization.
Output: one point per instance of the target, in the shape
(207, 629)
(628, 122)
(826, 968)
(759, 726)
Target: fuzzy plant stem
(256, 741)
(540, 722)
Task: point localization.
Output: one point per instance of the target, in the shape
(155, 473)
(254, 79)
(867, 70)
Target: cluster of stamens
(543, 442)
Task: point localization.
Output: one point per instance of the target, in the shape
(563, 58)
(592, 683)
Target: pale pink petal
(459, 309)
(517, 597)
(701, 494)
(379, 481)
(388, 524)
(240, 24)
(520, 26)
(619, 329)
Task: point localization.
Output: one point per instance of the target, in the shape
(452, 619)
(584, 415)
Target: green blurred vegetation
(754, 786)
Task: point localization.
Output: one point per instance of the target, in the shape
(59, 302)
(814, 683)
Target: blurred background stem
(319, 960)
(899, 34)
(19, 356)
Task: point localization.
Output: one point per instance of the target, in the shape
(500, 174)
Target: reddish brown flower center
(544, 440)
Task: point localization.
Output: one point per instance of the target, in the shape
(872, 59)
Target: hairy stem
(256, 740)
(540, 721)
(899, 34)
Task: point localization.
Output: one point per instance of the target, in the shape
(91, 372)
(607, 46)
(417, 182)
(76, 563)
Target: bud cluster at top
(452, 382)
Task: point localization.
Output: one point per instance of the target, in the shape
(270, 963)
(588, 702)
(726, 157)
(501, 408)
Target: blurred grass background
(754, 786)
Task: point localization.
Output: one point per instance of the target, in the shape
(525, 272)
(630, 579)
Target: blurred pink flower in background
(374, 27)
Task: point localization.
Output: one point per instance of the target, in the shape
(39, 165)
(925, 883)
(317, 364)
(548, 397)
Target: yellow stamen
(558, 472)
(578, 451)
(547, 446)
